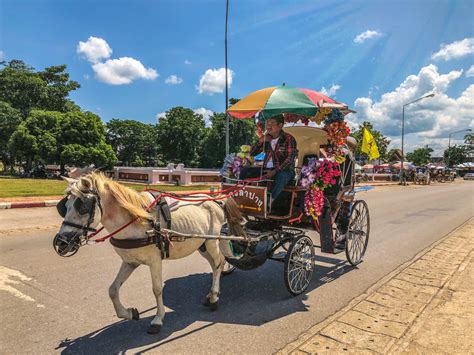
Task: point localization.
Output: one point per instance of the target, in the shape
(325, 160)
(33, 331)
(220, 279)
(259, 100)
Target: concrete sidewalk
(426, 306)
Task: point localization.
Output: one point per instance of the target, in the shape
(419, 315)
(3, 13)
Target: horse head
(82, 211)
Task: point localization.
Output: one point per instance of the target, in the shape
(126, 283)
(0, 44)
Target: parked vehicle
(469, 176)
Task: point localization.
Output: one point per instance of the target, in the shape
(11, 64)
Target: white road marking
(9, 278)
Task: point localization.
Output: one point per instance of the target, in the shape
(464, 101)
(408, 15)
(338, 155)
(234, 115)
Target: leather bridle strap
(78, 226)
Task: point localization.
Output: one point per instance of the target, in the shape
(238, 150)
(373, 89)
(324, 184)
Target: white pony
(94, 199)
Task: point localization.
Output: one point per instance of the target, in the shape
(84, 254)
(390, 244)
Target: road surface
(51, 304)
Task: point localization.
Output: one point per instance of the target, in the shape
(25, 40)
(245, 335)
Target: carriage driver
(280, 155)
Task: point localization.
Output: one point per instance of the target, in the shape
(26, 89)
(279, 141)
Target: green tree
(133, 142)
(10, 118)
(44, 126)
(101, 155)
(21, 87)
(58, 87)
(81, 141)
(179, 134)
(455, 155)
(420, 156)
(23, 146)
(240, 132)
(25, 89)
(380, 139)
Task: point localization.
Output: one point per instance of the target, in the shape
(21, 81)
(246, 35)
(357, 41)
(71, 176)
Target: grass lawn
(12, 187)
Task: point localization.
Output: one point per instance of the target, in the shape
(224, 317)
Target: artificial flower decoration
(321, 115)
(317, 176)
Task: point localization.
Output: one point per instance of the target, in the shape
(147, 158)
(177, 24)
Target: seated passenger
(280, 155)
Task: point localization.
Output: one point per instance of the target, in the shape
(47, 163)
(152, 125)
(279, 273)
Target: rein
(227, 193)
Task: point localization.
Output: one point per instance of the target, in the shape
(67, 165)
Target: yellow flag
(369, 146)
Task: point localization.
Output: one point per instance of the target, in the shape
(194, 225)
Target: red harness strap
(227, 194)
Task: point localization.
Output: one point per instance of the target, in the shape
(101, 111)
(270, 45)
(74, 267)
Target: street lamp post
(449, 143)
(402, 168)
(226, 86)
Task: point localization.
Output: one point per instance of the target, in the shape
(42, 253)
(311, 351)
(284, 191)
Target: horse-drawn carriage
(279, 231)
(422, 175)
(145, 229)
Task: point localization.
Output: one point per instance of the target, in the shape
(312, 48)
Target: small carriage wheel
(358, 232)
(299, 265)
(228, 268)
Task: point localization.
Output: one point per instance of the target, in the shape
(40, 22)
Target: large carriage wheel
(299, 265)
(358, 233)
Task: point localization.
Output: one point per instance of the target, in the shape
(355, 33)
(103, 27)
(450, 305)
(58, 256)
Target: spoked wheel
(358, 233)
(299, 265)
(228, 268)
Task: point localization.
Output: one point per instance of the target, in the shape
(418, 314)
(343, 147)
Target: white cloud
(331, 91)
(86, 76)
(160, 115)
(470, 71)
(94, 49)
(122, 71)
(206, 114)
(213, 81)
(187, 62)
(2, 55)
(425, 121)
(173, 80)
(455, 50)
(360, 38)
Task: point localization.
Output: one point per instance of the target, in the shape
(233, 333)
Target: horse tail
(234, 217)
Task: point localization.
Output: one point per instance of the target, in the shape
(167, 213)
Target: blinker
(61, 207)
(83, 205)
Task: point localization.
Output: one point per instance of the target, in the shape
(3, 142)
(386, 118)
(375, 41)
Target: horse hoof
(206, 302)
(135, 314)
(213, 306)
(154, 329)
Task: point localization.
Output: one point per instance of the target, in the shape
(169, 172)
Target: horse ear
(69, 180)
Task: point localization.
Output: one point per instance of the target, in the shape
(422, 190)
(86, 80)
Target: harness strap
(133, 243)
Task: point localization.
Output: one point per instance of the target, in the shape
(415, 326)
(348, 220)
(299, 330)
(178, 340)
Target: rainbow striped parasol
(285, 100)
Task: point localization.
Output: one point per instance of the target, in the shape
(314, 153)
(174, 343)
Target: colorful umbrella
(406, 165)
(284, 99)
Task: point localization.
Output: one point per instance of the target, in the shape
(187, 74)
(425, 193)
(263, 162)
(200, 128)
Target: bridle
(83, 205)
(88, 209)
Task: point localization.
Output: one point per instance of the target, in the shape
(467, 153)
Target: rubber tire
(348, 256)
(288, 258)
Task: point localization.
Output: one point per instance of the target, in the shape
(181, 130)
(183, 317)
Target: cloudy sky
(136, 59)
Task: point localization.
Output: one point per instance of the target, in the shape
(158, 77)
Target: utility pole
(226, 84)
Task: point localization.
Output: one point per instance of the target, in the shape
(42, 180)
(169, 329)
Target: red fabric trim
(315, 96)
(243, 114)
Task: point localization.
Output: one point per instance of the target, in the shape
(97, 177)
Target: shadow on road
(249, 298)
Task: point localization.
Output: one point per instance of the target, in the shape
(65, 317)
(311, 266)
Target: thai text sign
(252, 200)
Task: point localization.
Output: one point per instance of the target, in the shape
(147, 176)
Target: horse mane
(132, 201)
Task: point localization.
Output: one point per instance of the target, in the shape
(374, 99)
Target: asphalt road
(52, 304)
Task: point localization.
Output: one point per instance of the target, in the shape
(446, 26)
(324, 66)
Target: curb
(10, 205)
(52, 203)
(340, 333)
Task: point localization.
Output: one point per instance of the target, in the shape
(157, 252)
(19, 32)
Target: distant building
(172, 174)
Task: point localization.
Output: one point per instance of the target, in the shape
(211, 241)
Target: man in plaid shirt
(280, 155)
